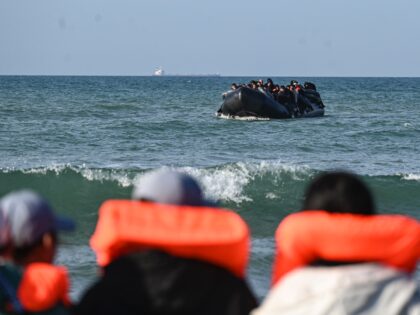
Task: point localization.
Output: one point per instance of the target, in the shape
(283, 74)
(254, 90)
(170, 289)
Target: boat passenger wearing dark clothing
(158, 276)
(269, 86)
(154, 282)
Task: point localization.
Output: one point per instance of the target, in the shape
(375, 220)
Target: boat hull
(246, 102)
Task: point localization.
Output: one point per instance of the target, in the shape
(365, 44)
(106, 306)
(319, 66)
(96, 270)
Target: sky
(231, 38)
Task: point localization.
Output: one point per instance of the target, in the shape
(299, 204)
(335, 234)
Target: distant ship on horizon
(159, 72)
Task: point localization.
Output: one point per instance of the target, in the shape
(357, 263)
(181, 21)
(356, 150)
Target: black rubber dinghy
(245, 102)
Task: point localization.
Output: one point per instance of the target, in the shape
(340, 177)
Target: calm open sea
(82, 140)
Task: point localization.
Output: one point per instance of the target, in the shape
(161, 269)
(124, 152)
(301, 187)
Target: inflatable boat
(245, 102)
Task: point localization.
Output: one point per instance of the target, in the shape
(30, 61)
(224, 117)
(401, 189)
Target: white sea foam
(121, 178)
(271, 195)
(224, 183)
(56, 168)
(228, 182)
(415, 177)
(246, 118)
(90, 174)
(410, 126)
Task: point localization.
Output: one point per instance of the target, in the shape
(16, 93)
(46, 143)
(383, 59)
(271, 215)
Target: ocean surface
(82, 140)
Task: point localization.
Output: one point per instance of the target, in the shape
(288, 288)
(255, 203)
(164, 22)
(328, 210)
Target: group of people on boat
(275, 90)
(168, 250)
(287, 95)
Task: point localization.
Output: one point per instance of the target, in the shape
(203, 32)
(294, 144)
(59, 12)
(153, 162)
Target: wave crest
(236, 182)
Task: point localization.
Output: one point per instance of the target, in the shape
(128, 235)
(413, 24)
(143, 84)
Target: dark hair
(21, 253)
(341, 192)
(309, 85)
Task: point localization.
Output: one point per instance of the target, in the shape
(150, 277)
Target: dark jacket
(153, 282)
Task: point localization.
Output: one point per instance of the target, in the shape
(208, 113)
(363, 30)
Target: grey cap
(170, 187)
(28, 216)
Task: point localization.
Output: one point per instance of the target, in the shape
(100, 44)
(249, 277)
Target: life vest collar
(305, 237)
(43, 286)
(215, 235)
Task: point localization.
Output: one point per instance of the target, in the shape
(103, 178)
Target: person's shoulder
(11, 274)
(146, 278)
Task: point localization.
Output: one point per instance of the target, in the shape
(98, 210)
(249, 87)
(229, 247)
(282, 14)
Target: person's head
(234, 86)
(169, 187)
(341, 192)
(32, 227)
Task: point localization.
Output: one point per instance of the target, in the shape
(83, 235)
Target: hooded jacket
(343, 290)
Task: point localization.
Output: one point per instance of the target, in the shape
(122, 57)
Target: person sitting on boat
(295, 86)
(282, 89)
(286, 97)
(275, 90)
(338, 256)
(283, 95)
(233, 87)
(269, 86)
(261, 87)
(309, 86)
(253, 85)
(291, 87)
(169, 251)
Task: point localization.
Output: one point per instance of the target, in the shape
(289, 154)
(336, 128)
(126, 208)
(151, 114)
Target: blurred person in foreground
(337, 256)
(29, 282)
(169, 251)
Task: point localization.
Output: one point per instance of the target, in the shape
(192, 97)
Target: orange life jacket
(43, 286)
(215, 235)
(305, 237)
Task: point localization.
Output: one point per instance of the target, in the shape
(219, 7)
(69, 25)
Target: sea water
(81, 140)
